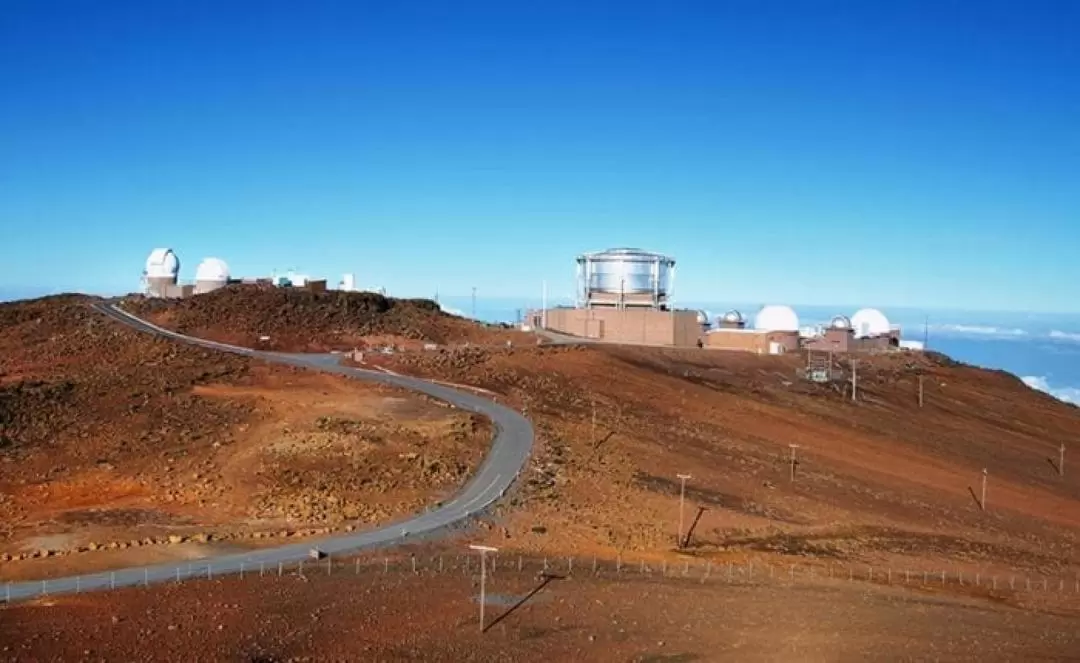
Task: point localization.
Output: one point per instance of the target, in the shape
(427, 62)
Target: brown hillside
(875, 479)
(300, 320)
(110, 436)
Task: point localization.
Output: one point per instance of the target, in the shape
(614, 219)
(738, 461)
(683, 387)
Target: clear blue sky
(886, 153)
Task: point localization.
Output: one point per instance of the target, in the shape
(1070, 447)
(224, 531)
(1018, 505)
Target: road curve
(509, 452)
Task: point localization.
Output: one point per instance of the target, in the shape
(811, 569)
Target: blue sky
(918, 154)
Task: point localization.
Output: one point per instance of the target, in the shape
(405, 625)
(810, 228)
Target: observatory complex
(626, 295)
(160, 278)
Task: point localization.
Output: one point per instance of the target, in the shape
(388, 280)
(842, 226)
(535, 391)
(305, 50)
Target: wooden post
(1061, 460)
(792, 462)
(920, 391)
(982, 502)
(854, 379)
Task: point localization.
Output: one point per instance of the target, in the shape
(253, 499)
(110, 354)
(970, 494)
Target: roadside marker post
(682, 500)
(484, 550)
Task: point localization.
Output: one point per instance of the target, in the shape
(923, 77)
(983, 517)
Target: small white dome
(212, 269)
(840, 322)
(869, 322)
(703, 317)
(777, 318)
(162, 264)
(732, 316)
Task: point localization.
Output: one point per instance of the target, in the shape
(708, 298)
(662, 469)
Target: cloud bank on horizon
(1067, 394)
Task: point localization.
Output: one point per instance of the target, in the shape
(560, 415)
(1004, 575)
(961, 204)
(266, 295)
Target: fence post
(386, 564)
(7, 593)
(329, 564)
(414, 564)
(44, 590)
(708, 569)
(280, 568)
(261, 565)
(112, 580)
(241, 570)
(178, 574)
(78, 584)
(146, 577)
(594, 565)
(209, 571)
(685, 568)
(519, 563)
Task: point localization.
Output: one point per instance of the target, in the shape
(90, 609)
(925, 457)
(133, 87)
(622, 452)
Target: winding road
(509, 452)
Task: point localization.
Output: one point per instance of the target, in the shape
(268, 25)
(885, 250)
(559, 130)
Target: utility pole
(854, 379)
(484, 550)
(792, 473)
(682, 500)
(592, 432)
(474, 302)
(1061, 460)
(982, 502)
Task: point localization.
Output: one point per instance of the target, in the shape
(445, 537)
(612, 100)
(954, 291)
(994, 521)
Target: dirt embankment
(294, 319)
(115, 443)
(880, 479)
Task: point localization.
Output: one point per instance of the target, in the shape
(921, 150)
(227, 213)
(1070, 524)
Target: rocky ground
(295, 319)
(372, 615)
(118, 448)
(880, 480)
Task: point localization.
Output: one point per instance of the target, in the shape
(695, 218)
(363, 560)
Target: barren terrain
(108, 431)
(880, 480)
(118, 448)
(293, 319)
(368, 614)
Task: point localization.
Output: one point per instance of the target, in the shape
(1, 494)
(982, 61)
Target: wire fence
(499, 564)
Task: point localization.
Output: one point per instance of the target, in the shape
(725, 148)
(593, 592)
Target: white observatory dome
(162, 264)
(840, 322)
(703, 317)
(869, 322)
(732, 317)
(777, 318)
(212, 269)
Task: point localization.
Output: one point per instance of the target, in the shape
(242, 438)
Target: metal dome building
(869, 322)
(776, 318)
(162, 268)
(625, 277)
(211, 274)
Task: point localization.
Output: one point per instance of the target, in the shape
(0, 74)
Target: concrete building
(641, 326)
(758, 341)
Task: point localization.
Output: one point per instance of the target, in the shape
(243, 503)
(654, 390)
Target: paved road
(509, 451)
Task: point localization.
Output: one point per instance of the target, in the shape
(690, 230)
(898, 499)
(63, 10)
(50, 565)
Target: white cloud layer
(1067, 394)
(979, 330)
(1065, 336)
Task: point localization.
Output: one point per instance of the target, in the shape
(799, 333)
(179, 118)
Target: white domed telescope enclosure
(624, 278)
(212, 274)
(162, 268)
(870, 322)
(776, 318)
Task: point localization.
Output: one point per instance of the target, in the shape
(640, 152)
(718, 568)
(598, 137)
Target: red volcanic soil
(879, 479)
(296, 319)
(119, 448)
(430, 616)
